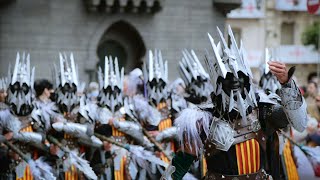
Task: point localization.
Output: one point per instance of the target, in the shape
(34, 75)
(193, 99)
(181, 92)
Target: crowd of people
(211, 123)
(311, 136)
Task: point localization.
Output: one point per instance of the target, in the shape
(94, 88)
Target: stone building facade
(278, 25)
(92, 29)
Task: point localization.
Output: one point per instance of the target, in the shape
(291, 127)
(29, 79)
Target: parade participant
(74, 136)
(198, 87)
(133, 83)
(279, 150)
(232, 134)
(153, 110)
(31, 134)
(5, 132)
(111, 107)
(268, 82)
(198, 90)
(177, 94)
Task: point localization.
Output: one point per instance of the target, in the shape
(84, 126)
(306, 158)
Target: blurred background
(92, 29)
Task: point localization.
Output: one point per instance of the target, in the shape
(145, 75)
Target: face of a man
(231, 83)
(3, 95)
(311, 89)
(48, 92)
(318, 101)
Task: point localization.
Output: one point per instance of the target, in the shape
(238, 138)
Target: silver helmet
(230, 75)
(111, 84)
(67, 83)
(268, 81)
(4, 84)
(195, 77)
(155, 72)
(20, 92)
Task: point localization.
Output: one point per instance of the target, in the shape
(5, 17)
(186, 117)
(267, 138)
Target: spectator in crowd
(44, 90)
(93, 91)
(314, 110)
(313, 77)
(311, 94)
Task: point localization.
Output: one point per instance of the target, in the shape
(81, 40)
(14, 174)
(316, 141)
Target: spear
(147, 134)
(312, 153)
(110, 140)
(17, 150)
(136, 150)
(39, 169)
(79, 162)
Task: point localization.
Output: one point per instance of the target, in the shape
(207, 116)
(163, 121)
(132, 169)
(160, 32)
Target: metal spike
(166, 71)
(160, 61)
(63, 80)
(117, 70)
(15, 70)
(150, 63)
(112, 74)
(122, 78)
(241, 106)
(32, 78)
(100, 78)
(218, 58)
(266, 60)
(189, 65)
(185, 72)
(28, 70)
(235, 48)
(74, 70)
(203, 72)
(219, 49)
(231, 102)
(106, 72)
(224, 43)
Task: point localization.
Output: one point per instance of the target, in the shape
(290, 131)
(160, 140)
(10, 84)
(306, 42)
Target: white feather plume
(82, 165)
(145, 159)
(146, 112)
(41, 170)
(190, 123)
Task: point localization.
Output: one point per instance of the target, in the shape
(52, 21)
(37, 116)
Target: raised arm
(291, 99)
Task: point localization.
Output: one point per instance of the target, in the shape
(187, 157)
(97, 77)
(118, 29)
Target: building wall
(258, 33)
(44, 28)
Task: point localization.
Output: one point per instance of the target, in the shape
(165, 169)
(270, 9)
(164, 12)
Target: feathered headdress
(268, 81)
(230, 60)
(21, 85)
(111, 84)
(155, 72)
(4, 84)
(67, 83)
(194, 76)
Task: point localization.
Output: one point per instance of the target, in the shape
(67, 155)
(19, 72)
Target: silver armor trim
(167, 175)
(294, 105)
(28, 137)
(221, 135)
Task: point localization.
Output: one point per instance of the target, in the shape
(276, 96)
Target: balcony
(124, 6)
(225, 6)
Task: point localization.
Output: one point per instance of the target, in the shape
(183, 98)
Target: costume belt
(260, 175)
(244, 135)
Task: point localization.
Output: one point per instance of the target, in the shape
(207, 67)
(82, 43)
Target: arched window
(122, 40)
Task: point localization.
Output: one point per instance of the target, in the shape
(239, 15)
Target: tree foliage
(311, 35)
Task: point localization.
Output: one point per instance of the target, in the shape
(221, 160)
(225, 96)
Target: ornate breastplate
(223, 134)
